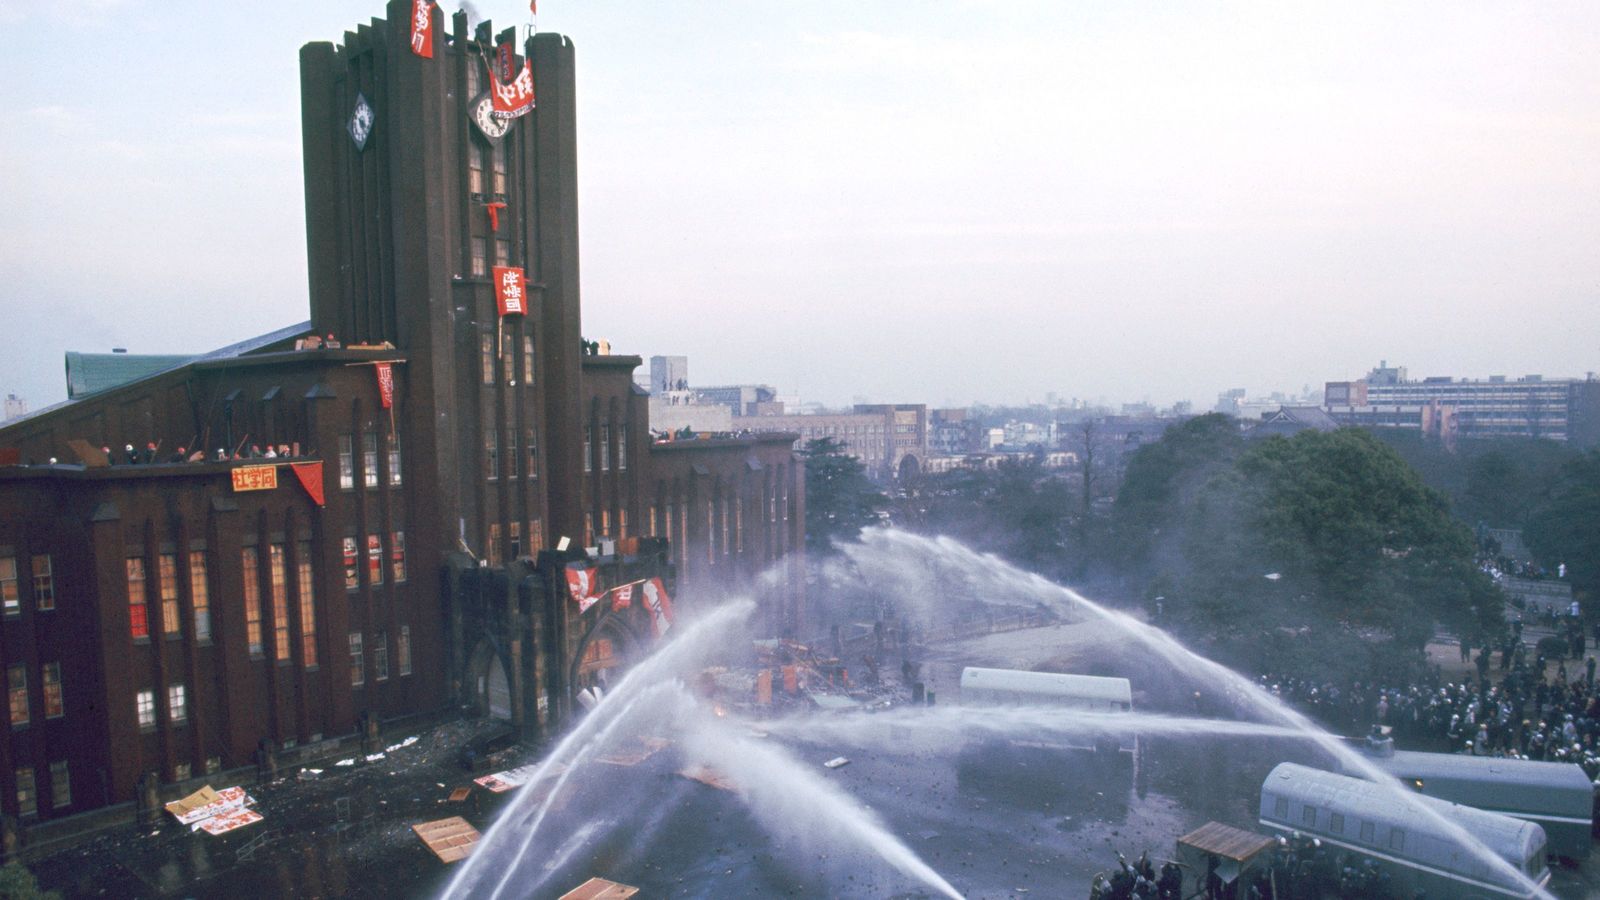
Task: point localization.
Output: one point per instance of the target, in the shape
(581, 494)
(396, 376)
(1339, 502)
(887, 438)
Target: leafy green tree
(1565, 528)
(1320, 541)
(840, 499)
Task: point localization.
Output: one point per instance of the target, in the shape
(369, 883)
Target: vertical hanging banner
(580, 583)
(622, 596)
(508, 290)
(422, 28)
(513, 97)
(658, 605)
(385, 373)
(508, 62)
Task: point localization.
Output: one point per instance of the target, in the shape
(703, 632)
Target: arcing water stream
(809, 817)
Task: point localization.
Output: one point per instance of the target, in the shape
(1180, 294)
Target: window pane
(358, 674)
(380, 655)
(54, 705)
(480, 262)
(10, 596)
(352, 574)
(347, 462)
(280, 603)
(145, 704)
(397, 554)
(60, 785)
(404, 649)
(27, 797)
(486, 348)
(491, 450)
(374, 560)
(200, 591)
(527, 359)
(44, 583)
(369, 459)
(249, 559)
(394, 459)
(138, 610)
(167, 569)
(305, 584)
(177, 704)
(17, 693)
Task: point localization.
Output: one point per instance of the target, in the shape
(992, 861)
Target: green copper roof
(89, 373)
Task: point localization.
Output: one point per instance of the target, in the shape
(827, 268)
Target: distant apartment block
(1446, 408)
(890, 439)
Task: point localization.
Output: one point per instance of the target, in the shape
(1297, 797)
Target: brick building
(397, 553)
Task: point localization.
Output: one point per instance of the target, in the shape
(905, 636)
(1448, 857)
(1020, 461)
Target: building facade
(891, 440)
(377, 513)
(1532, 406)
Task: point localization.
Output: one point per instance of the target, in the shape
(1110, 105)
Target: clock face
(361, 120)
(493, 127)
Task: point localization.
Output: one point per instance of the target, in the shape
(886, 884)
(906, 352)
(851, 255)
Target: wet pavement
(993, 818)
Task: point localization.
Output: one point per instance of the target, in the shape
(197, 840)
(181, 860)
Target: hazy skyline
(958, 201)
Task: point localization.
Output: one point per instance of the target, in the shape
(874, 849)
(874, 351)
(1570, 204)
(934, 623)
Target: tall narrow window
(403, 650)
(588, 449)
(491, 450)
(527, 359)
(347, 462)
(494, 544)
(17, 694)
(499, 155)
(622, 447)
(60, 785)
(250, 561)
(177, 704)
(738, 526)
(374, 560)
(280, 602)
(380, 656)
(605, 447)
(508, 348)
(167, 571)
(480, 258)
(352, 574)
(138, 605)
(516, 540)
(54, 704)
(369, 459)
(513, 458)
(306, 584)
(358, 670)
(394, 459)
(200, 592)
(144, 703)
(724, 523)
(44, 582)
(474, 149)
(486, 347)
(622, 524)
(397, 555)
(10, 596)
(27, 795)
(533, 452)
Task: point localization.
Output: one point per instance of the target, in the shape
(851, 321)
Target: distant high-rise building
(1532, 406)
(669, 373)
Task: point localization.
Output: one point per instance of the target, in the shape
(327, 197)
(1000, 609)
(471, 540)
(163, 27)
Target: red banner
(508, 62)
(581, 584)
(422, 28)
(622, 597)
(515, 97)
(255, 478)
(310, 475)
(508, 290)
(385, 373)
(659, 605)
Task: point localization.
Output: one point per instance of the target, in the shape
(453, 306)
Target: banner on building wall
(255, 478)
(509, 290)
(422, 28)
(508, 61)
(658, 605)
(581, 584)
(385, 373)
(310, 476)
(514, 97)
(622, 596)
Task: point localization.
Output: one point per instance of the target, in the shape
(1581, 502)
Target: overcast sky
(947, 201)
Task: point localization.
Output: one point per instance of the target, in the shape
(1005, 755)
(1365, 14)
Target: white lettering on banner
(514, 98)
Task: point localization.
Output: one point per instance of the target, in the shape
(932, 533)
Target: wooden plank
(600, 889)
(1226, 841)
(449, 839)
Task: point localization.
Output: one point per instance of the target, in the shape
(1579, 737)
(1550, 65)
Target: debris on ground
(836, 762)
(708, 776)
(500, 782)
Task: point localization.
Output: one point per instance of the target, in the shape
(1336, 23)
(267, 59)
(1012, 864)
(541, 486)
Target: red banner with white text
(385, 373)
(514, 97)
(509, 290)
(422, 28)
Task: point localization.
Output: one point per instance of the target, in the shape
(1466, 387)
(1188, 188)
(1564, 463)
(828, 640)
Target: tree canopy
(1565, 527)
(840, 499)
(1326, 535)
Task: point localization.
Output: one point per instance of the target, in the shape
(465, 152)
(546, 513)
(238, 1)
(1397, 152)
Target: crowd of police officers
(1300, 868)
